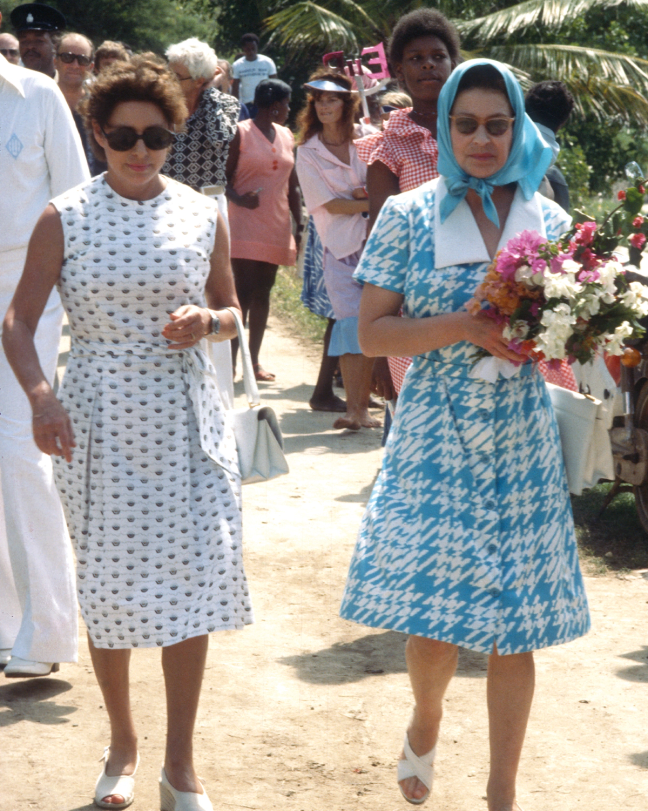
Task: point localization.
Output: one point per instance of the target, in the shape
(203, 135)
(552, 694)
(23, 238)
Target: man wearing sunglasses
(40, 157)
(9, 48)
(74, 62)
(36, 26)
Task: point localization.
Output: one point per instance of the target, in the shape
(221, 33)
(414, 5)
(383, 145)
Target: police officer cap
(37, 16)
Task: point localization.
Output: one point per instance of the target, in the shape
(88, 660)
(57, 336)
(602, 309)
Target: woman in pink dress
(262, 191)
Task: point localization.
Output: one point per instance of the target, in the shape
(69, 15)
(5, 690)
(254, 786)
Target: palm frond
(566, 61)
(312, 25)
(550, 14)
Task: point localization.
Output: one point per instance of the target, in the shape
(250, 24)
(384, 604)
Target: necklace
(331, 143)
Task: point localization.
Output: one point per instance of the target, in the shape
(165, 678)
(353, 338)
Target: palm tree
(605, 84)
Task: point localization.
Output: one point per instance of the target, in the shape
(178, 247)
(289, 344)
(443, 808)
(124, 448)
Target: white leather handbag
(258, 436)
(583, 423)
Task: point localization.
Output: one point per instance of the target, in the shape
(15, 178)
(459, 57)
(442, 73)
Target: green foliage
(144, 24)
(573, 164)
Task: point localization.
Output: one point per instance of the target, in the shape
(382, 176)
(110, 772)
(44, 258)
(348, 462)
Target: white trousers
(38, 607)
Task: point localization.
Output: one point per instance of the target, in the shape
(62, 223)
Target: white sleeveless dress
(152, 495)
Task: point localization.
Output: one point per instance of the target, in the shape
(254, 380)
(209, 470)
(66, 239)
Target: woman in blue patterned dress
(468, 538)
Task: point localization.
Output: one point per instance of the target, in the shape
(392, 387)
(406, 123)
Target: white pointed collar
(458, 241)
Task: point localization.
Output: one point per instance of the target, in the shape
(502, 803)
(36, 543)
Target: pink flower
(641, 189)
(638, 241)
(585, 232)
(638, 221)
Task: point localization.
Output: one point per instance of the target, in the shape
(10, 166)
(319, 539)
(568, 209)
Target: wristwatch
(215, 324)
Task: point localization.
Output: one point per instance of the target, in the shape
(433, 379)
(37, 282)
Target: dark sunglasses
(9, 52)
(68, 58)
(467, 125)
(122, 139)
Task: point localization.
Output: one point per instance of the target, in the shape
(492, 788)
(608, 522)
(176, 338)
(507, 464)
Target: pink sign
(380, 60)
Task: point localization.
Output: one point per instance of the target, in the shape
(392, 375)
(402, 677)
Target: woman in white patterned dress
(468, 537)
(145, 461)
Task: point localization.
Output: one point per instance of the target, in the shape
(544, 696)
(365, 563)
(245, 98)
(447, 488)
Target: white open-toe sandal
(414, 766)
(109, 785)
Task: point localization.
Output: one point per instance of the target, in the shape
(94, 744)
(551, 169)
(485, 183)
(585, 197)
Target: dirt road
(304, 711)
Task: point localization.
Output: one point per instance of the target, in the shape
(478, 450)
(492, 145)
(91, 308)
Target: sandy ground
(304, 711)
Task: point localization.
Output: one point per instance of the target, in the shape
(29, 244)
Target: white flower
(561, 285)
(558, 327)
(614, 345)
(636, 298)
(519, 330)
(588, 305)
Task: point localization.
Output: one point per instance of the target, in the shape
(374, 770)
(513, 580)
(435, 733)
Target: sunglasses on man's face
(122, 139)
(7, 52)
(467, 125)
(68, 58)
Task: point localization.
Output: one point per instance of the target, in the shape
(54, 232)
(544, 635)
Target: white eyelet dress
(152, 495)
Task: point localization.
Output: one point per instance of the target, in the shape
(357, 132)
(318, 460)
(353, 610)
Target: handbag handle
(249, 381)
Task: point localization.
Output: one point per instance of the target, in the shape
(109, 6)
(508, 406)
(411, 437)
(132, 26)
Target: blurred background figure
(36, 25)
(74, 63)
(249, 70)
(41, 157)
(9, 48)
(199, 153)
(263, 192)
(108, 53)
(550, 104)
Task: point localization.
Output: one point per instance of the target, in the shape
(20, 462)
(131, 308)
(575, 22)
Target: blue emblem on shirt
(14, 146)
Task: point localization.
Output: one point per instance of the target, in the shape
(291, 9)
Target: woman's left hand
(188, 325)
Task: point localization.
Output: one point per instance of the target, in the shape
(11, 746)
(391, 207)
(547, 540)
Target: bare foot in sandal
(261, 374)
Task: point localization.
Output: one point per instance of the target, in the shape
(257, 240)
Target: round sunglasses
(68, 59)
(467, 125)
(121, 139)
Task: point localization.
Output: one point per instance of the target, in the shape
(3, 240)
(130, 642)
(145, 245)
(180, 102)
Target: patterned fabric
(563, 376)
(406, 148)
(152, 495)
(468, 536)
(199, 154)
(313, 294)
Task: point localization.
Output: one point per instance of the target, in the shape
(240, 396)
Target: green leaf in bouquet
(633, 201)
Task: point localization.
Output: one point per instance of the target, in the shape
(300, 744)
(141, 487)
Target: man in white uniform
(40, 157)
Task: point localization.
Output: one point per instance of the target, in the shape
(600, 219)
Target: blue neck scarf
(528, 159)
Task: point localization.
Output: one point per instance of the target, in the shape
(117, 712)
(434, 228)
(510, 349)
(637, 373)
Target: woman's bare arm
(382, 333)
(51, 425)
(382, 183)
(189, 323)
(340, 205)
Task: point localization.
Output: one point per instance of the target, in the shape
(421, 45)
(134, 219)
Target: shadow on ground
(29, 700)
(371, 655)
(639, 671)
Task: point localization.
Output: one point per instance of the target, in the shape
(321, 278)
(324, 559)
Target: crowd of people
(151, 199)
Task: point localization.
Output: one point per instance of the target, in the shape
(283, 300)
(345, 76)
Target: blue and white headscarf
(528, 159)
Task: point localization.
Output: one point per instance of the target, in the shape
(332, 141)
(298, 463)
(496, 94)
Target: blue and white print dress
(468, 536)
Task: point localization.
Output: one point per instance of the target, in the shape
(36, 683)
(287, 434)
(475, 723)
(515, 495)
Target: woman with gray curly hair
(199, 153)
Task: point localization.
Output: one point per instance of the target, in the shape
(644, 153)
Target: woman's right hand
(485, 332)
(51, 425)
(248, 200)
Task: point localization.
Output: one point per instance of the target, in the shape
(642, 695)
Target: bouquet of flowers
(568, 299)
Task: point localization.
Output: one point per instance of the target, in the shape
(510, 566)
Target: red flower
(638, 241)
(641, 189)
(638, 221)
(621, 195)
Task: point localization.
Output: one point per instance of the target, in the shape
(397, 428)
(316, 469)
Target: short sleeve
(314, 188)
(386, 256)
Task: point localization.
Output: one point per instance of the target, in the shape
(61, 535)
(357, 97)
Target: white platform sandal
(414, 766)
(173, 800)
(109, 785)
